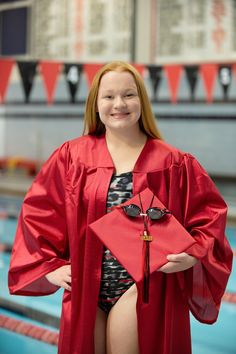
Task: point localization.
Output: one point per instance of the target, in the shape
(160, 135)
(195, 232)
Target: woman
(120, 154)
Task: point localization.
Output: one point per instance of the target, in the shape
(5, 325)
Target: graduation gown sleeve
(205, 219)
(41, 238)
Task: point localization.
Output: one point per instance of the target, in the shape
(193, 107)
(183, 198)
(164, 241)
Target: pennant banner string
(49, 70)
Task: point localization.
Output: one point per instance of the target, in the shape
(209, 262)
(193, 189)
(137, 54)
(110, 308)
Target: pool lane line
(29, 330)
(31, 313)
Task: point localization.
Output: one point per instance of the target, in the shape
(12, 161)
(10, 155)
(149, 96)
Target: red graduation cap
(142, 241)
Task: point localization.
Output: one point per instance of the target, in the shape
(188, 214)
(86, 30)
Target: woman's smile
(120, 115)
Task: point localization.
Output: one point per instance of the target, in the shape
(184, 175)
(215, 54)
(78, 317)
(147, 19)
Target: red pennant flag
(50, 72)
(90, 71)
(234, 70)
(173, 73)
(140, 68)
(5, 71)
(209, 73)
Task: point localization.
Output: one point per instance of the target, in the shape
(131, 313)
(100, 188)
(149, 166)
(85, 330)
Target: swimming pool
(218, 338)
(11, 341)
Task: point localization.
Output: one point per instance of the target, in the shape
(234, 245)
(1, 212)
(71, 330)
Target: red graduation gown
(70, 192)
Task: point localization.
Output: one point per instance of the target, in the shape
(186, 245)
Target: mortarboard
(140, 233)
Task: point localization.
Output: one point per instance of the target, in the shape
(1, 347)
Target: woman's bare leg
(122, 335)
(100, 332)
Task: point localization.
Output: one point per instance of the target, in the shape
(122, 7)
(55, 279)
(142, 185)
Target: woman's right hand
(61, 277)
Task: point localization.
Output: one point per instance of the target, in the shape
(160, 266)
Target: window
(13, 31)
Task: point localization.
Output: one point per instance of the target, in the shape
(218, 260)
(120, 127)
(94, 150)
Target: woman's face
(118, 102)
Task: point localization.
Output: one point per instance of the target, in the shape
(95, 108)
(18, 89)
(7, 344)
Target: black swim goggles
(153, 213)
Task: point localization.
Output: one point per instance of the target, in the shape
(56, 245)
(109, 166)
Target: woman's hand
(178, 262)
(61, 277)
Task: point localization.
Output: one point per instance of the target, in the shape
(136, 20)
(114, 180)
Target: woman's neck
(125, 149)
(129, 138)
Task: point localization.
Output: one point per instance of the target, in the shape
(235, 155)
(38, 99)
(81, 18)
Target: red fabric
(70, 192)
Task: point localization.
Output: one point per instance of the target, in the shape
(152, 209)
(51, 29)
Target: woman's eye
(108, 97)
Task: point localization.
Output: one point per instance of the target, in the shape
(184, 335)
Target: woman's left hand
(178, 262)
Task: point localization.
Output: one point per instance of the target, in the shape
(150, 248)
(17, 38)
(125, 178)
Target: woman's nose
(119, 101)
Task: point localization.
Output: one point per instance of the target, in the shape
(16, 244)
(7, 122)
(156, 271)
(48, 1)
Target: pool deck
(14, 185)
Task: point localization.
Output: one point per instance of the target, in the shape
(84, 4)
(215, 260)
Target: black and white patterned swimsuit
(115, 280)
